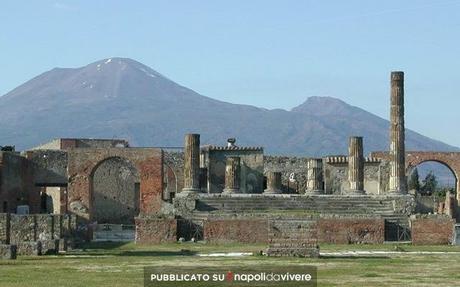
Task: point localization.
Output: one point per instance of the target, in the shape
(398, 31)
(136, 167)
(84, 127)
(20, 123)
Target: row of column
(397, 184)
(315, 181)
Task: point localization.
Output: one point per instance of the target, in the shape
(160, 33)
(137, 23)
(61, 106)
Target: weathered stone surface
(232, 175)
(115, 192)
(192, 163)
(83, 162)
(295, 177)
(251, 167)
(238, 204)
(173, 173)
(351, 230)
(315, 183)
(8, 252)
(49, 246)
(155, 230)
(29, 248)
(44, 227)
(22, 228)
(4, 228)
(293, 237)
(236, 230)
(355, 166)
(398, 183)
(17, 184)
(50, 166)
(432, 229)
(273, 182)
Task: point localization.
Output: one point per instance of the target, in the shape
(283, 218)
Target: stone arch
(171, 184)
(410, 168)
(452, 163)
(114, 191)
(414, 158)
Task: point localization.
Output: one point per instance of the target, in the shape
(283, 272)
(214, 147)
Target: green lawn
(122, 265)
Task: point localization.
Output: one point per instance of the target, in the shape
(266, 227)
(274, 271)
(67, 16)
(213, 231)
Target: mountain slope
(122, 98)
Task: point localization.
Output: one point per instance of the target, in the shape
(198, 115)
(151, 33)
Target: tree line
(428, 186)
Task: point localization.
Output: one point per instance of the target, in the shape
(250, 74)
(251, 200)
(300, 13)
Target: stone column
(315, 176)
(273, 182)
(355, 165)
(398, 184)
(232, 175)
(192, 163)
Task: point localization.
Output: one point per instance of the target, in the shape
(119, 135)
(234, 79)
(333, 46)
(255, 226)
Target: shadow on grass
(107, 245)
(114, 249)
(352, 257)
(157, 253)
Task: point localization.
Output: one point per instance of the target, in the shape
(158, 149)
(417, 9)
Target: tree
(414, 181)
(430, 183)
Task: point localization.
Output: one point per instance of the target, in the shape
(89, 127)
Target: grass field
(122, 265)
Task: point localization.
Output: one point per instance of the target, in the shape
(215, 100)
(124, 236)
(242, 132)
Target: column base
(272, 191)
(396, 192)
(231, 190)
(314, 192)
(355, 192)
(190, 190)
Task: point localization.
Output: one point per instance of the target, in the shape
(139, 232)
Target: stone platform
(258, 204)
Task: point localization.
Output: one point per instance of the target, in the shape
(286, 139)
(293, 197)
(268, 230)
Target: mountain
(122, 98)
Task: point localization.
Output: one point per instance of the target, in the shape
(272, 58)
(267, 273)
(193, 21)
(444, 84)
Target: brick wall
(236, 230)
(432, 230)
(351, 230)
(155, 230)
(83, 162)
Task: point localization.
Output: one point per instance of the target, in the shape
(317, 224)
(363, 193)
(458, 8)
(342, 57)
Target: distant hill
(122, 98)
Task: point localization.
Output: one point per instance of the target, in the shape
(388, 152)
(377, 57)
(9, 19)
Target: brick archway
(82, 162)
(414, 158)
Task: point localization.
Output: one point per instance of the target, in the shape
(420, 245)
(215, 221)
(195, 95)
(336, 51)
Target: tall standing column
(315, 180)
(398, 184)
(232, 175)
(192, 163)
(355, 165)
(273, 182)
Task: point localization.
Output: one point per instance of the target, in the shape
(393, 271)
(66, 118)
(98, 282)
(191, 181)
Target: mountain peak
(119, 64)
(120, 97)
(321, 106)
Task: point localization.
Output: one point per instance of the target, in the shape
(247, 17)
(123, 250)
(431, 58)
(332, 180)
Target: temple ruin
(77, 189)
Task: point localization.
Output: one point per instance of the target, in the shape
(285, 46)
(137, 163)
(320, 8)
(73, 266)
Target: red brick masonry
(351, 230)
(155, 230)
(236, 230)
(432, 230)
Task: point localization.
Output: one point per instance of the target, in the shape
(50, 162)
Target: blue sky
(271, 54)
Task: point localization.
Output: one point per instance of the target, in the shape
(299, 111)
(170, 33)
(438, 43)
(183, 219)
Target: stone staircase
(315, 205)
(293, 237)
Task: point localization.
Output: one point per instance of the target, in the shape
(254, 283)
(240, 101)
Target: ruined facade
(228, 193)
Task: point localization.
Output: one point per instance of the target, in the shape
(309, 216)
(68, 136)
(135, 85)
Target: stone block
(49, 246)
(8, 252)
(44, 227)
(4, 228)
(29, 248)
(22, 228)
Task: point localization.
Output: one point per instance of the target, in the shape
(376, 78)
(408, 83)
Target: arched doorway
(445, 176)
(430, 180)
(115, 191)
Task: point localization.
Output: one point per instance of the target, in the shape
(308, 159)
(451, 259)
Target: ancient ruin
(94, 189)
